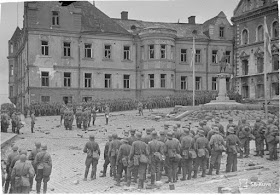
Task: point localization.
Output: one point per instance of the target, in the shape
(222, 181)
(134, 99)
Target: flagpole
(193, 72)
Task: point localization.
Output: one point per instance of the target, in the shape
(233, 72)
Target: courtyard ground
(68, 158)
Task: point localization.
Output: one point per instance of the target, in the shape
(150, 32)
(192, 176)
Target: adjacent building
(248, 22)
(77, 53)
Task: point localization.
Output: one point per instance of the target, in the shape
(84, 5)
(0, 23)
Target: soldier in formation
(78, 117)
(31, 157)
(106, 157)
(5, 121)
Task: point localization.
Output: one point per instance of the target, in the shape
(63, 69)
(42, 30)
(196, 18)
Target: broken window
(107, 53)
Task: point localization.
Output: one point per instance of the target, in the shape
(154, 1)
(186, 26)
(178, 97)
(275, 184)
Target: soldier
(14, 119)
(205, 128)
(71, 118)
(89, 116)
(78, 117)
(230, 123)
(202, 148)
(32, 121)
(147, 138)
(43, 164)
(187, 143)
(4, 121)
(66, 118)
(269, 123)
(243, 134)
(155, 151)
(62, 109)
(8, 170)
(113, 153)
(122, 160)
(93, 153)
(217, 145)
(132, 137)
(220, 126)
(85, 119)
(137, 155)
(107, 110)
(18, 122)
(162, 136)
(271, 133)
(93, 112)
(21, 173)
(106, 157)
(259, 137)
(140, 108)
(232, 142)
(172, 149)
(31, 157)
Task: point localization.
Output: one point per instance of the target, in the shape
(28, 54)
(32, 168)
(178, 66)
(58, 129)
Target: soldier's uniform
(220, 126)
(215, 143)
(202, 148)
(107, 110)
(232, 142)
(8, 166)
(122, 160)
(18, 122)
(243, 134)
(138, 148)
(113, 152)
(155, 151)
(78, 116)
(4, 122)
(172, 149)
(230, 124)
(14, 119)
(140, 108)
(31, 157)
(22, 169)
(89, 116)
(132, 137)
(259, 137)
(32, 122)
(187, 143)
(85, 119)
(93, 112)
(271, 133)
(61, 114)
(91, 148)
(106, 158)
(147, 138)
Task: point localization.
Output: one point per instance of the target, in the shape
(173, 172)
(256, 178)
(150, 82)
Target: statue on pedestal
(224, 63)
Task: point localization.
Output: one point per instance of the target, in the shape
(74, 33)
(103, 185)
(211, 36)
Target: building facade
(77, 53)
(248, 22)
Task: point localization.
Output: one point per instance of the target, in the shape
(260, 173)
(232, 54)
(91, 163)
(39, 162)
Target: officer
(232, 142)
(243, 133)
(259, 137)
(31, 157)
(22, 170)
(187, 143)
(78, 117)
(217, 145)
(113, 153)
(93, 153)
(132, 137)
(155, 151)
(43, 164)
(172, 149)
(202, 148)
(138, 149)
(8, 170)
(106, 157)
(85, 119)
(32, 121)
(122, 160)
(271, 133)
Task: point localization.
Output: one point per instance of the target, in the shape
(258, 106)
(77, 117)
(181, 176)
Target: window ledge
(55, 26)
(107, 59)
(89, 59)
(184, 63)
(128, 61)
(42, 56)
(67, 57)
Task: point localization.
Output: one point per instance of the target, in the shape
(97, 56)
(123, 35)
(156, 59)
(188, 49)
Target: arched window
(245, 37)
(260, 33)
(275, 29)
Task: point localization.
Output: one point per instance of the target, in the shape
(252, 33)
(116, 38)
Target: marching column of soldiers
(169, 151)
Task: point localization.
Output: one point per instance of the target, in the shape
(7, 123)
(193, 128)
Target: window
(45, 48)
(107, 53)
(275, 62)
(151, 80)
(172, 53)
(45, 99)
(67, 79)
(275, 89)
(126, 81)
(67, 99)
(87, 80)
(183, 55)
(228, 57)
(197, 83)
(260, 33)
(214, 83)
(245, 67)
(11, 70)
(215, 56)
(151, 51)
(260, 64)
(107, 80)
(162, 51)
(88, 50)
(184, 82)
(197, 56)
(275, 29)
(126, 53)
(66, 49)
(222, 29)
(162, 80)
(260, 91)
(11, 91)
(245, 37)
(55, 18)
(45, 79)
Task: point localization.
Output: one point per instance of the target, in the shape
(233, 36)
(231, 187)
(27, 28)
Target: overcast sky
(157, 11)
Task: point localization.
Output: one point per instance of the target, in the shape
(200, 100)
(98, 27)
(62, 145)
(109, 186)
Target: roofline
(155, 22)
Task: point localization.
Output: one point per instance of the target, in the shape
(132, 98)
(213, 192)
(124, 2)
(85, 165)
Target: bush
(9, 107)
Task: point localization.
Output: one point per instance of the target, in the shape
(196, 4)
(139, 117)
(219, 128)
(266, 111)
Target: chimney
(124, 15)
(191, 20)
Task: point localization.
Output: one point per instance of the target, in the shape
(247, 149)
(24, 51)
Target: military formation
(14, 119)
(22, 169)
(178, 150)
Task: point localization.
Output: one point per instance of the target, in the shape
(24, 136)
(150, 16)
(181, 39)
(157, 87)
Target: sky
(11, 16)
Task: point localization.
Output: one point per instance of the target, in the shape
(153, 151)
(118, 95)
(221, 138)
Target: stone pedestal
(222, 96)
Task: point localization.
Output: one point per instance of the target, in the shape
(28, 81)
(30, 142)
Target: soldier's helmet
(230, 119)
(14, 148)
(38, 144)
(258, 119)
(44, 147)
(138, 134)
(230, 130)
(270, 120)
(161, 132)
(170, 134)
(114, 136)
(23, 152)
(154, 133)
(201, 132)
(217, 119)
